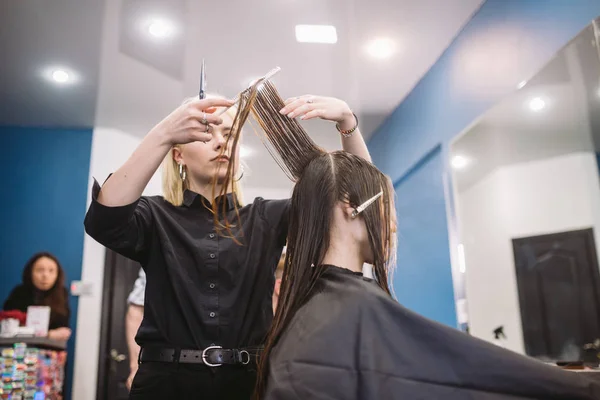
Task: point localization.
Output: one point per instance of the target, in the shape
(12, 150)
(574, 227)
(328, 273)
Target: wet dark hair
(55, 297)
(322, 181)
(327, 180)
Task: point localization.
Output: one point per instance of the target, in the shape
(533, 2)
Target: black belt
(213, 356)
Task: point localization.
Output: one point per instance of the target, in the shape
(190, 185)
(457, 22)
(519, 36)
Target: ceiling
(36, 36)
(128, 80)
(510, 132)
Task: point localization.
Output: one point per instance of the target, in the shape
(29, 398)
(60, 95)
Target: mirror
(526, 188)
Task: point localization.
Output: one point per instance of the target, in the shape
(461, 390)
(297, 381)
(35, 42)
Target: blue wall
(505, 42)
(43, 201)
(421, 273)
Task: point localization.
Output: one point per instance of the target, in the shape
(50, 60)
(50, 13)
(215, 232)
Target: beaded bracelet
(348, 133)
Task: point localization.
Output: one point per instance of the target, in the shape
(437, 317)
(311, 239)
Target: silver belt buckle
(242, 354)
(205, 357)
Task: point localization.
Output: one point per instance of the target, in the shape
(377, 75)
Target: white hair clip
(366, 204)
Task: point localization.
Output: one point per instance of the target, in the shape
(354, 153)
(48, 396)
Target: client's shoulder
(332, 319)
(338, 300)
(354, 288)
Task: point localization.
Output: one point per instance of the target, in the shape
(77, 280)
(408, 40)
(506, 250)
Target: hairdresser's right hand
(60, 334)
(185, 125)
(132, 371)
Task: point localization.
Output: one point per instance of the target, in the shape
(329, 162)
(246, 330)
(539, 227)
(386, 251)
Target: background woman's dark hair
(56, 297)
(322, 180)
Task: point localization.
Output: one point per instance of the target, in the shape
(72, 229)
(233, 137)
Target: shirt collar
(190, 197)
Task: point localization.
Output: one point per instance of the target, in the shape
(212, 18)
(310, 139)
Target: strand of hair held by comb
(291, 146)
(286, 140)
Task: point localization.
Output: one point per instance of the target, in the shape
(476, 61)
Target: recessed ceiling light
(381, 48)
(160, 28)
(521, 84)
(459, 162)
(316, 34)
(60, 76)
(537, 104)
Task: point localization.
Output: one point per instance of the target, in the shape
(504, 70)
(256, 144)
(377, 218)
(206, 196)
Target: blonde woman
(208, 301)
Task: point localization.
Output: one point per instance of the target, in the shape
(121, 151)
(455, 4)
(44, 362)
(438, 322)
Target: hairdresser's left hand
(60, 334)
(327, 108)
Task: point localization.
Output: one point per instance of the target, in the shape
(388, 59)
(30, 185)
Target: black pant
(155, 380)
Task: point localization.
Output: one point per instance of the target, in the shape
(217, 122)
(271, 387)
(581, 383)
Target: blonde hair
(173, 186)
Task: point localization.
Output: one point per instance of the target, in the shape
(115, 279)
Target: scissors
(202, 93)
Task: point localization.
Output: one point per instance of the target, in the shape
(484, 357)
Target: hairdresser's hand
(60, 334)
(132, 371)
(185, 124)
(327, 108)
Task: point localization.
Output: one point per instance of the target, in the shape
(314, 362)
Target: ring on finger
(203, 120)
(310, 100)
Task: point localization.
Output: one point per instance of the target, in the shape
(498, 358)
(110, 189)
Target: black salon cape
(352, 341)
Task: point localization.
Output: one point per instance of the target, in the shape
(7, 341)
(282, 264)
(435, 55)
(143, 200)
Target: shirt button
(212, 236)
(212, 314)
(212, 255)
(212, 285)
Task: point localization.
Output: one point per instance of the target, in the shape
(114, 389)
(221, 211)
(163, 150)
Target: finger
(204, 104)
(290, 108)
(313, 114)
(197, 125)
(210, 118)
(200, 135)
(301, 110)
(292, 104)
(213, 119)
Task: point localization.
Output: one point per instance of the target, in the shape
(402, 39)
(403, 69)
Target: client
(338, 335)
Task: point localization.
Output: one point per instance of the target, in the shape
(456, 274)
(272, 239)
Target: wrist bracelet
(348, 133)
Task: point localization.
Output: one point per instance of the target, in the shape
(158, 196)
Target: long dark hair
(322, 180)
(327, 180)
(56, 297)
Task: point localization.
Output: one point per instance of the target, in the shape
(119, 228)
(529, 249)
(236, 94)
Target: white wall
(110, 149)
(520, 200)
(267, 193)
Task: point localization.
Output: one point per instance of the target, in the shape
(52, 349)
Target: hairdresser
(208, 301)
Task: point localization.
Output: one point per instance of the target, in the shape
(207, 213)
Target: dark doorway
(559, 293)
(120, 274)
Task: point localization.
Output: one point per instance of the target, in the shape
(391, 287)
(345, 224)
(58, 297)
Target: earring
(182, 172)
(241, 174)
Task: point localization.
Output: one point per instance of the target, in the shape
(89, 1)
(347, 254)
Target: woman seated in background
(44, 285)
(338, 335)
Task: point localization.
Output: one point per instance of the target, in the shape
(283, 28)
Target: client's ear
(348, 210)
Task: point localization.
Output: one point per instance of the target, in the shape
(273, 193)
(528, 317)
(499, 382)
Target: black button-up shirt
(201, 288)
